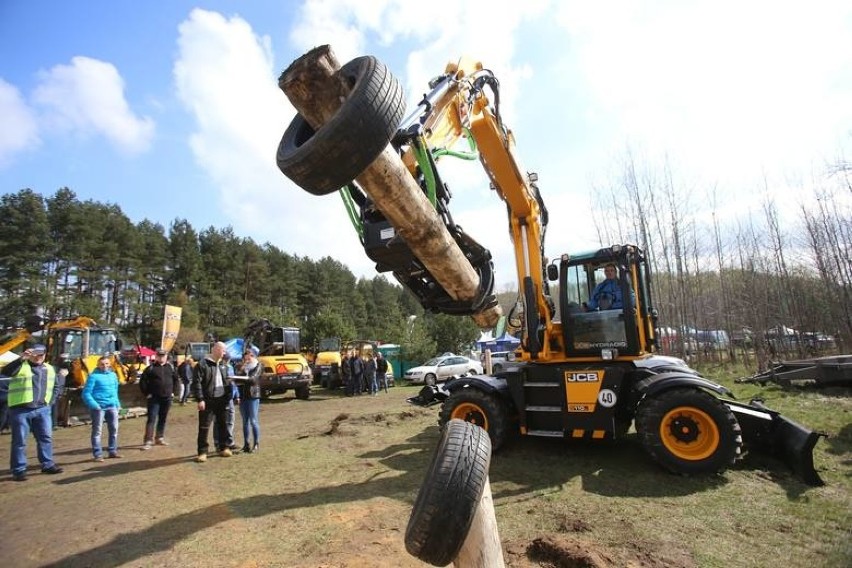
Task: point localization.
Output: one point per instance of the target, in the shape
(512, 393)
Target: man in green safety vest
(32, 386)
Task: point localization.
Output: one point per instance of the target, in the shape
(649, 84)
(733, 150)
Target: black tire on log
(322, 162)
(449, 496)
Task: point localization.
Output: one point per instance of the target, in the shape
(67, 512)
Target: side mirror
(552, 272)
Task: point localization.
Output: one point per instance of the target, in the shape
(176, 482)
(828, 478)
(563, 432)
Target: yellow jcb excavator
(75, 345)
(279, 351)
(587, 370)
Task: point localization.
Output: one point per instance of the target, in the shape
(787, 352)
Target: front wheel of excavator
(688, 431)
(480, 408)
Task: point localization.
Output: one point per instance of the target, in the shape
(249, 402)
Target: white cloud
(730, 87)
(226, 76)
(483, 29)
(337, 22)
(87, 97)
(20, 129)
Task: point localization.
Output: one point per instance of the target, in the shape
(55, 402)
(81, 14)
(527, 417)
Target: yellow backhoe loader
(582, 372)
(74, 346)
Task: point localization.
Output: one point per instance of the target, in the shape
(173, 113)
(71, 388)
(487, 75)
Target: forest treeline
(62, 257)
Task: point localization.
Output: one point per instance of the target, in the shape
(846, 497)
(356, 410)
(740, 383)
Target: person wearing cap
(31, 389)
(100, 395)
(159, 383)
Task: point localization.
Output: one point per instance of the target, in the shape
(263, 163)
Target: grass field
(336, 478)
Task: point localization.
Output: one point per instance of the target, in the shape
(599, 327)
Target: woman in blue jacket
(100, 394)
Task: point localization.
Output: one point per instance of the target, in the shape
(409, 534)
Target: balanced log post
(316, 92)
(482, 547)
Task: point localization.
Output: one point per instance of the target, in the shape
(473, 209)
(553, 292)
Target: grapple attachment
(765, 430)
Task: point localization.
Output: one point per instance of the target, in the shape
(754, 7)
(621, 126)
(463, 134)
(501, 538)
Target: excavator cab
(597, 319)
(79, 346)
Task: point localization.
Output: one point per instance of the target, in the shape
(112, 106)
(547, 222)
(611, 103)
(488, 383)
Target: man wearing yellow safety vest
(31, 388)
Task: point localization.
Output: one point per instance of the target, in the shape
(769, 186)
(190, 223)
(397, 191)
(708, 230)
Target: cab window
(578, 288)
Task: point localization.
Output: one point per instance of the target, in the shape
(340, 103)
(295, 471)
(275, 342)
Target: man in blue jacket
(100, 394)
(606, 295)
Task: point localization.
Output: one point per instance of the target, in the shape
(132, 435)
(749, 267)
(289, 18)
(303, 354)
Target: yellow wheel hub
(689, 433)
(472, 413)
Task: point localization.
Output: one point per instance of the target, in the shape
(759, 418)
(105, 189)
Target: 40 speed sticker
(607, 398)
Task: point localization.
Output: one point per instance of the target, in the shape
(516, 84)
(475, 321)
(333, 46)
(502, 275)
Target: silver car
(442, 368)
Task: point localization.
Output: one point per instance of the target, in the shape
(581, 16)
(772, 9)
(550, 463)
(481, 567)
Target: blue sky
(171, 108)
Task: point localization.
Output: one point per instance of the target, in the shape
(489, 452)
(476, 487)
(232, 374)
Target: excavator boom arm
(457, 107)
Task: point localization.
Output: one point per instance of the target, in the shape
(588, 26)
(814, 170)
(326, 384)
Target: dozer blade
(428, 396)
(766, 431)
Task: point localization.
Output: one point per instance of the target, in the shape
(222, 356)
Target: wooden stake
(482, 548)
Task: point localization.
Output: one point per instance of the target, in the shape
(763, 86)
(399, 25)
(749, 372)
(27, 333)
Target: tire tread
(449, 496)
(352, 139)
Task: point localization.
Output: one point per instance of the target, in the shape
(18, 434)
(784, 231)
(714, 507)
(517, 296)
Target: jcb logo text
(583, 378)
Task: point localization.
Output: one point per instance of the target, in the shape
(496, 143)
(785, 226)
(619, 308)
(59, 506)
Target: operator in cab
(607, 294)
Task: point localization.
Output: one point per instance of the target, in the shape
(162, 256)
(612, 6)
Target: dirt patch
(334, 484)
(334, 428)
(563, 551)
(574, 526)
(557, 551)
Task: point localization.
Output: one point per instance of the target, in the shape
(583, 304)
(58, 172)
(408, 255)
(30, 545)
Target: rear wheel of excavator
(480, 408)
(688, 431)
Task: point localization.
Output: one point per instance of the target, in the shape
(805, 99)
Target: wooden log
(314, 90)
(482, 548)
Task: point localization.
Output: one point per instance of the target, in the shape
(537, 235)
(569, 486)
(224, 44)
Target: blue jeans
(185, 393)
(4, 415)
(372, 384)
(98, 417)
(22, 420)
(249, 409)
(158, 411)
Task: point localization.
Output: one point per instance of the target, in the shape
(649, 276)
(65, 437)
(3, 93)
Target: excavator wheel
(689, 431)
(321, 162)
(303, 392)
(449, 496)
(480, 408)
